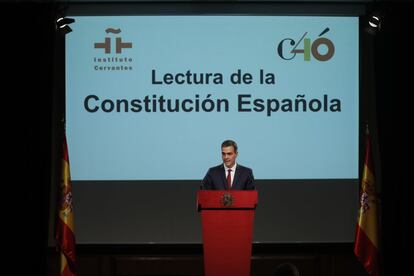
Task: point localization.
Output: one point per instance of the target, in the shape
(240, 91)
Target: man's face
(229, 156)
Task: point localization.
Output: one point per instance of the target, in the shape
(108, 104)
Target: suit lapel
(236, 177)
(223, 177)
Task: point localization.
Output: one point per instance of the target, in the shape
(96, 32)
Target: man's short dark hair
(229, 143)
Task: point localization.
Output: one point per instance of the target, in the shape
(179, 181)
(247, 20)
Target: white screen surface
(153, 97)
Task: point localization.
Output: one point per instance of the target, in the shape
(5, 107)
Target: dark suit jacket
(215, 179)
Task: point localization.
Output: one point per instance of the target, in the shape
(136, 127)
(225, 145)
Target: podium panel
(227, 230)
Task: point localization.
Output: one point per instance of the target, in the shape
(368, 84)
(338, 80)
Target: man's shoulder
(221, 168)
(243, 168)
(217, 168)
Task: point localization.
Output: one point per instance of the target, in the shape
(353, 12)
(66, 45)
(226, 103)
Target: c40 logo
(309, 48)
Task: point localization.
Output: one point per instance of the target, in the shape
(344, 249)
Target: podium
(227, 230)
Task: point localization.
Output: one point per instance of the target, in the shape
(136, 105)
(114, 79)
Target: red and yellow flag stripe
(65, 236)
(366, 246)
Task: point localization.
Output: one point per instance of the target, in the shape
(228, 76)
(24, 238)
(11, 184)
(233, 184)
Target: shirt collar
(233, 169)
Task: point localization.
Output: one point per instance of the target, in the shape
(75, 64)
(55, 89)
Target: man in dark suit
(229, 175)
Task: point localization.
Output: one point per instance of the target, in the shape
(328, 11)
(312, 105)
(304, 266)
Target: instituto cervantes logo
(113, 58)
(119, 45)
(288, 48)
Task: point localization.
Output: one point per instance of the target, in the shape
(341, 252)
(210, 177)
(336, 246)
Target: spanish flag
(366, 246)
(65, 236)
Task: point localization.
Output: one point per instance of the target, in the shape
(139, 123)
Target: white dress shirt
(233, 171)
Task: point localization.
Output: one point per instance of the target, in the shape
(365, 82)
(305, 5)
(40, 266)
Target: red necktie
(229, 179)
